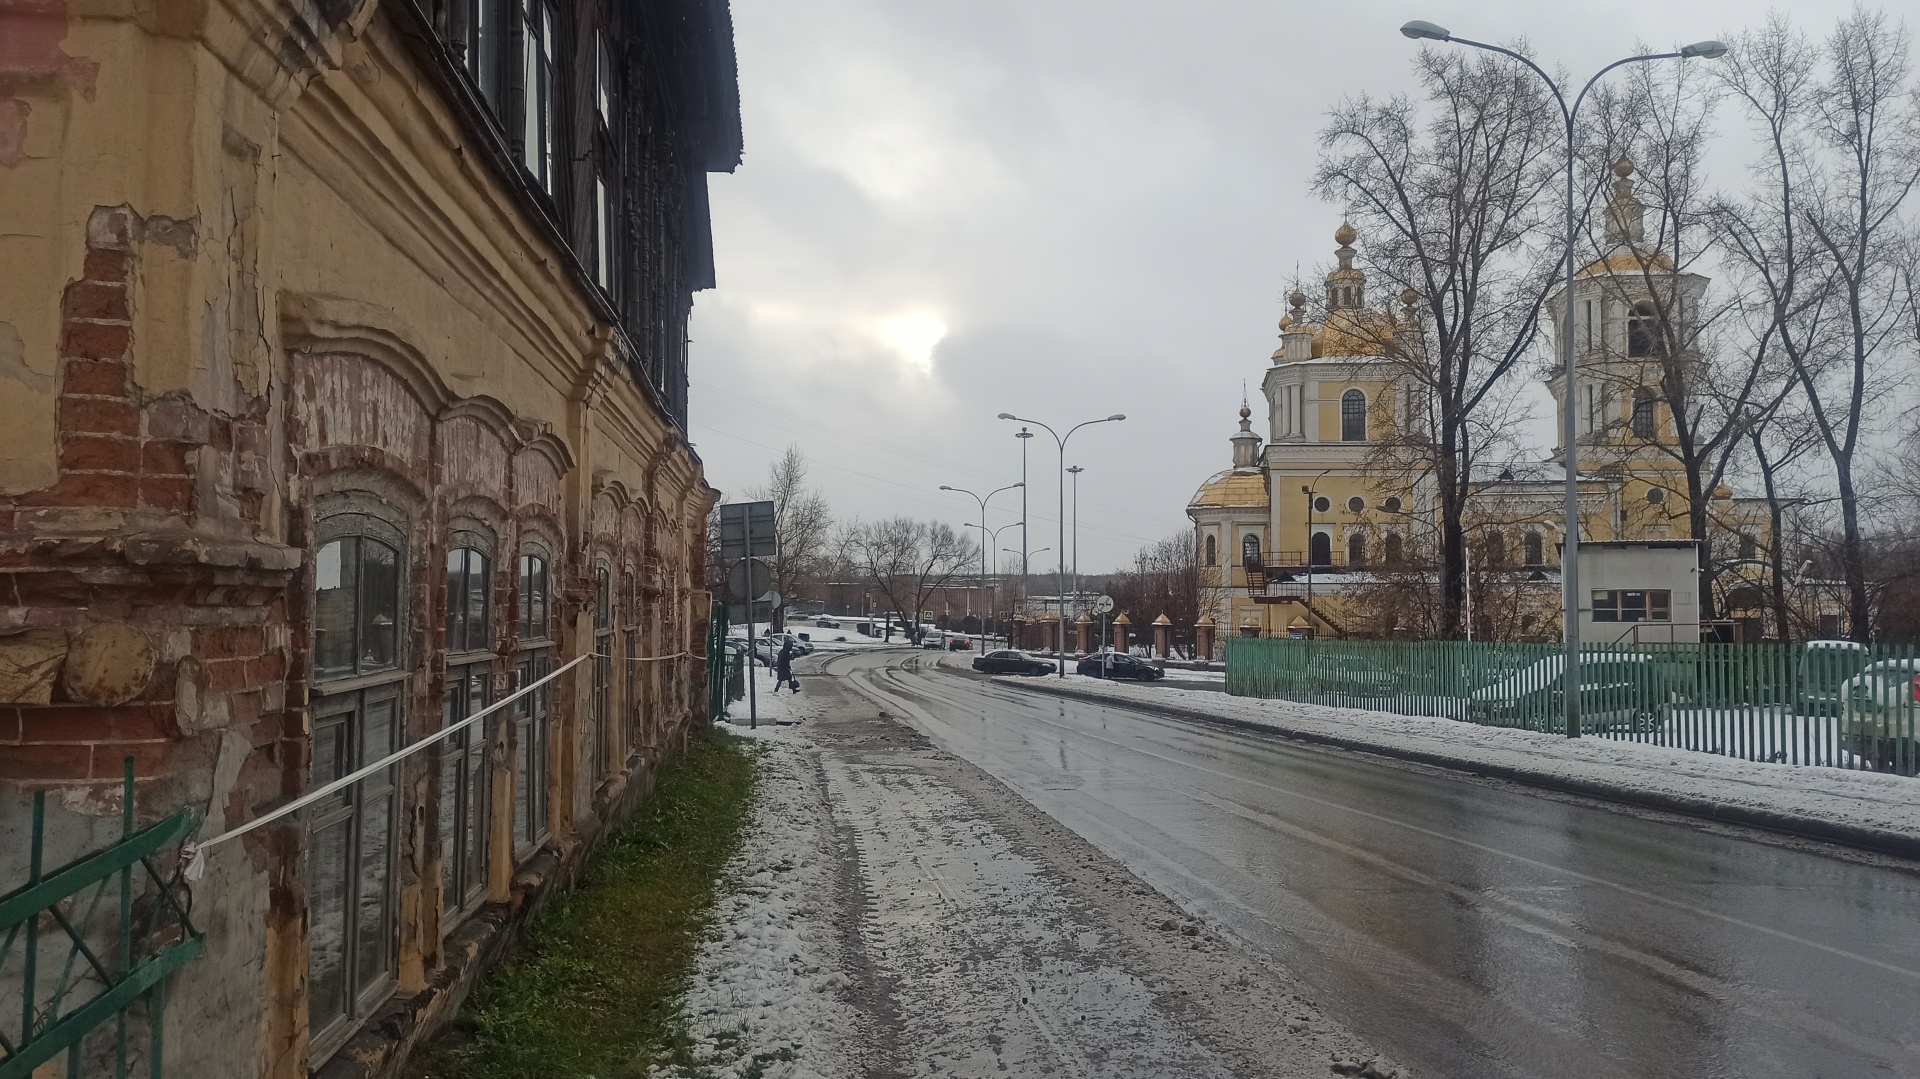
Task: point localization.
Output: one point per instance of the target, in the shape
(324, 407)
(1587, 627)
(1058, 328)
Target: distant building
(1319, 513)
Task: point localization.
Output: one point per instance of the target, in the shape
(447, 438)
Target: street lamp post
(1075, 472)
(1570, 549)
(1023, 434)
(1061, 441)
(983, 514)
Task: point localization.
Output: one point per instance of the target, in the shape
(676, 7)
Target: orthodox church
(1328, 505)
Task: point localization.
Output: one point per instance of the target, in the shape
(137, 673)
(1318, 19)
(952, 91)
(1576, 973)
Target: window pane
(379, 604)
(456, 588)
(530, 105)
(335, 578)
(478, 639)
(376, 920)
(326, 944)
(450, 793)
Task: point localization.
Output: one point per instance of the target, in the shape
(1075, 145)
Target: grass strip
(596, 987)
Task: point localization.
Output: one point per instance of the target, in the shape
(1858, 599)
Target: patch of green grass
(595, 990)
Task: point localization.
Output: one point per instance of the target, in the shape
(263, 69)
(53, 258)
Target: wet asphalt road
(1468, 929)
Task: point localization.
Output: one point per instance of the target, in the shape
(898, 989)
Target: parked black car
(1007, 661)
(1119, 665)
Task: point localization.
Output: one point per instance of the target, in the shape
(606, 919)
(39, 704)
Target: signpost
(747, 536)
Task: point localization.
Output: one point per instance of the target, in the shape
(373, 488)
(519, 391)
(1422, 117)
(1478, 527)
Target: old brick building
(343, 387)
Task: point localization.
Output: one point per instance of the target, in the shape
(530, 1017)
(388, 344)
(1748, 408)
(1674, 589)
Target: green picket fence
(1831, 703)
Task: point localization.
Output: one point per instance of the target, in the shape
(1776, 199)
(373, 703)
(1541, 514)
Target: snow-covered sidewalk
(1863, 808)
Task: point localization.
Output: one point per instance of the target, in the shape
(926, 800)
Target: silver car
(1878, 713)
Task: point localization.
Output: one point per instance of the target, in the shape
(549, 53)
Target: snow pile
(1883, 804)
(767, 997)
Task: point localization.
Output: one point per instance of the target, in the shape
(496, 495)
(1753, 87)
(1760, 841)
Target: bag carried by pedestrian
(793, 684)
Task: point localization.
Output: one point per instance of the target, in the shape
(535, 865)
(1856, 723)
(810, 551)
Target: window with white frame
(537, 102)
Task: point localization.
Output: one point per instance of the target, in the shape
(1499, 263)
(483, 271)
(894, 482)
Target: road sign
(1103, 605)
(746, 531)
(749, 578)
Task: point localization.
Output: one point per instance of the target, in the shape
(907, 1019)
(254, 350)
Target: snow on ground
(768, 994)
(1827, 795)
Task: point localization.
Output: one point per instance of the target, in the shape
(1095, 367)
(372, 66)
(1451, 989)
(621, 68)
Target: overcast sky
(1063, 209)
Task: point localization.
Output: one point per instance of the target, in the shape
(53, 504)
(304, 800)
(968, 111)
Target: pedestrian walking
(783, 669)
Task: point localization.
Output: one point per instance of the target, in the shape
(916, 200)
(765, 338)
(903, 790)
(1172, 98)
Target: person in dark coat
(783, 669)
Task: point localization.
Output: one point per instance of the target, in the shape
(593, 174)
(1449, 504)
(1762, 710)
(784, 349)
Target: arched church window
(1353, 416)
(1356, 550)
(1496, 547)
(1211, 551)
(1533, 549)
(1250, 548)
(1320, 550)
(1396, 549)
(1643, 330)
(1643, 413)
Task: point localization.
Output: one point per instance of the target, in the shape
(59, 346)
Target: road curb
(1863, 837)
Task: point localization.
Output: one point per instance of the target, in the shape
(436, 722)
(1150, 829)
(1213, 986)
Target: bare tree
(907, 561)
(1820, 232)
(1453, 207)
(1166, 579)
(804, 524)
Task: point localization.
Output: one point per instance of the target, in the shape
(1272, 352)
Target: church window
(1250, 548)
(1322, 504)
(1356, 550)
(1392, 504)
(1656, 496)
(1212, 553)
(1396, 549)
(1534, 548)
(1356, 504)
(1643, 330)
(1643, 413)
(1320, 550)
(1353, 416)
(1496, 548)
(1749, 547)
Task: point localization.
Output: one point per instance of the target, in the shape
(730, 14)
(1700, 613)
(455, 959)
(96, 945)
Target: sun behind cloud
(913, 336)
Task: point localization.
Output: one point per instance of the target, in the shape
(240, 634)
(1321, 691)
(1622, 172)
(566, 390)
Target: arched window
(1356, 550)
(1643, 330)
(601, 736)
(1749, 547)
(1643, 413)
(1496, 547)
(532, 713)
(1211, 551)
(1320, 550)
(1396, 549)
(1534, 549)
(465, 768)
(1353, 416)
(1250, 549)
(357, 634)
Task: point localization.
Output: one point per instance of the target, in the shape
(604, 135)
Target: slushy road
(1471, 929)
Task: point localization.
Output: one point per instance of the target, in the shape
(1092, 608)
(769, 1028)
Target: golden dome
(1623, 168)
(1723, 492)
(1234, 487)
(1408, 297)
(1345, 234)
(1354, 331)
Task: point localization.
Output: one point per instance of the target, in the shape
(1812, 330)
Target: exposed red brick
(93, 453)
(268, 668)
(165, 458)
(105, 265)
(95, 340)
(167, 493)
(220, 433)
(223, 675)
(46, 762)
(90, 299)
(86, 489)
(95, 415)
(228, 642)
(149, 758)
(95, 378)
(176, 419)
(73, 723)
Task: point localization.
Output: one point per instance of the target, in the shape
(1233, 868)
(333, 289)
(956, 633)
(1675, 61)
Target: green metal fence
(717, 663)
(82, 945)
(1832, 703)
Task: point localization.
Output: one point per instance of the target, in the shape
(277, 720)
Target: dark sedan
(1119, 665)
(1007, 661)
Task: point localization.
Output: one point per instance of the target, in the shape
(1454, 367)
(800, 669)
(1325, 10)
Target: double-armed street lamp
(1420, 30)
(983, 500)
(1061, 441)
